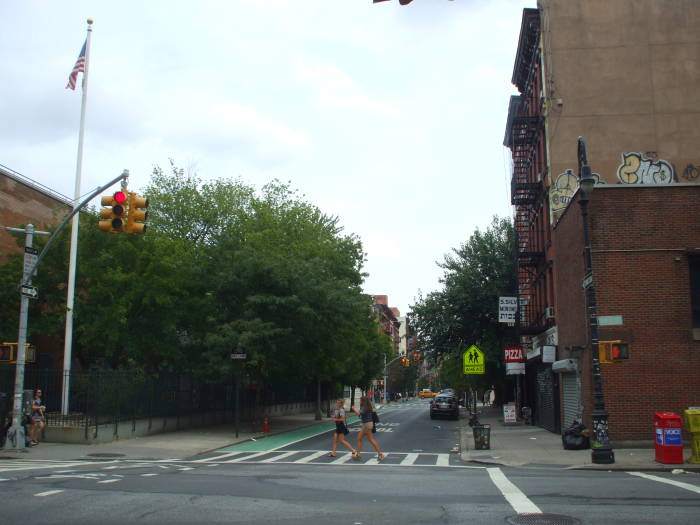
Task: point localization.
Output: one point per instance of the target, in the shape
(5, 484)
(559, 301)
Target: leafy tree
(465, 310)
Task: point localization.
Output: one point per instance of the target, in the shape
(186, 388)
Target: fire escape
(525, 131)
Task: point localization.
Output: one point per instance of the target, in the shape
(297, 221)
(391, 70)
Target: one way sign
(29, 291)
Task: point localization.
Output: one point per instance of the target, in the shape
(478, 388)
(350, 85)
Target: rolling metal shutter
(571, 398)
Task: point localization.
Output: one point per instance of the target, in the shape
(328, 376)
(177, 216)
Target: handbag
(375, 417)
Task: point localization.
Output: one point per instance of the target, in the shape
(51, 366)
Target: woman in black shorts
(340, 428)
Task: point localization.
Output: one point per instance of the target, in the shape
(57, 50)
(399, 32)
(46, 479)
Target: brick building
(388, 318)
(24, 201)
(624, 76)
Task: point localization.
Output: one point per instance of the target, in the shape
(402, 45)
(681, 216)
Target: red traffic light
(120, 197)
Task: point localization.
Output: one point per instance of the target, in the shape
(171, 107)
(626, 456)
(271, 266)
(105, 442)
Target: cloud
(335, 89)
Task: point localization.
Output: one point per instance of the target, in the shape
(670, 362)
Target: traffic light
(137, 214)
(613, 351)
(112, 217)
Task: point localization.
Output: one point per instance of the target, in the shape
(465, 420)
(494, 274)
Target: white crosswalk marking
(410, 459)
(246, 458)
(443, 460)
(311, 457)
(517, 499)
(278, 457)
(34, 464)
(342, 459)
(222, 456)
(48, 493)
(679, 484)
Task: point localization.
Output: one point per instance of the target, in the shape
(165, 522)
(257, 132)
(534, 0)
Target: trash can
(669, 440)
(482, 437)
(692, 425)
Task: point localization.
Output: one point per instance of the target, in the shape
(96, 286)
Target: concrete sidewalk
(180, 444)
(520, 445)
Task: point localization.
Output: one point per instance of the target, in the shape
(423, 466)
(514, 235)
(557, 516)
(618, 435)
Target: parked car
(426, 392)
(448, 391)
(444, 405)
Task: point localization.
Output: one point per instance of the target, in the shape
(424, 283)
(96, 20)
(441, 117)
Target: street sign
(474, 361)
(507, 307)
(238, 356)
(31, 255)
(29, 291)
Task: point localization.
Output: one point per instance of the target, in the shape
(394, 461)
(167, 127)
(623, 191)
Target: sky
(389, 117)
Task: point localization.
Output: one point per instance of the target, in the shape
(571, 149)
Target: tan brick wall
(20, 204)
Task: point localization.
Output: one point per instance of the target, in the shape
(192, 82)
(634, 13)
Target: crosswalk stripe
(410, 459)
(215, 458)
(443, 460)
(679, 484)
(342, 459)
(311, 457)
(246, 458)
(48, 493)
(278, 457)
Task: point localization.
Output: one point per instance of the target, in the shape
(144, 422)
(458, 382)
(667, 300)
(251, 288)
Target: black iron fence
(109, 396)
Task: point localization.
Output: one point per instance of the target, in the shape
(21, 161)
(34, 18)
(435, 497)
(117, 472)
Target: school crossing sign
(474, 361)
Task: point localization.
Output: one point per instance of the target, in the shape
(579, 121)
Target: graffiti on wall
(691, 172)
(563, 188)
(638, 169)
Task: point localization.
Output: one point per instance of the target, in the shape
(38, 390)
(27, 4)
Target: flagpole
(70, 299)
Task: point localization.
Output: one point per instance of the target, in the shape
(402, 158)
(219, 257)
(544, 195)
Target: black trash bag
(576, 437)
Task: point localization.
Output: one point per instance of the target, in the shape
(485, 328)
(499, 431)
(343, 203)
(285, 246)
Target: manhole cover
(106, 455)
(542, 519)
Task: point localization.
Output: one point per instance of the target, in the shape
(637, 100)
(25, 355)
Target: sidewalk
(180, 444)
(520, 445)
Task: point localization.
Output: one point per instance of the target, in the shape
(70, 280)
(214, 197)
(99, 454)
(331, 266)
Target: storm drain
(542, 519)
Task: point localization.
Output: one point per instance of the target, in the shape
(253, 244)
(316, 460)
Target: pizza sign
(514, 354)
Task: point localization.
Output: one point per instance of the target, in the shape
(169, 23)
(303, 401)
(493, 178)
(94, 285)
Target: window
(694, 267)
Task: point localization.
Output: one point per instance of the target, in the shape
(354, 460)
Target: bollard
(266, 425)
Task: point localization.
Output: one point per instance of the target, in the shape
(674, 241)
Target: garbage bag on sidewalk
(576, 437)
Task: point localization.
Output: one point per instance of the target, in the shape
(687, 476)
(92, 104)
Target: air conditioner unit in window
(549, 312)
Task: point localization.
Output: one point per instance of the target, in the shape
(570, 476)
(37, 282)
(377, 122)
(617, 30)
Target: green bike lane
(284, 439)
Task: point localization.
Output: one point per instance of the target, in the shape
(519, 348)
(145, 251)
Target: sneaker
(34, 443)
(380, 456)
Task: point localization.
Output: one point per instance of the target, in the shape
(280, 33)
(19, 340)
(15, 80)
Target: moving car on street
(444, 405)
(426, 392)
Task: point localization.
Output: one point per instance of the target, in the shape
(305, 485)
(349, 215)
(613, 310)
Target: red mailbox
(669, 440)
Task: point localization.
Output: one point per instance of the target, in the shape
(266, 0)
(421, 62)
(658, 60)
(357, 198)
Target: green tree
(465, 310)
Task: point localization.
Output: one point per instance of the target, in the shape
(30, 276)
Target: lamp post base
(603, 455)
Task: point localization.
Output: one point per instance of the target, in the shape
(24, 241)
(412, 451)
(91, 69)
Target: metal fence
(109, 396)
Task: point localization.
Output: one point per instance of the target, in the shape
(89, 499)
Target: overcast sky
(390, 117)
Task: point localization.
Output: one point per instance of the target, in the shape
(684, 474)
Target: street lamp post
(601, 448)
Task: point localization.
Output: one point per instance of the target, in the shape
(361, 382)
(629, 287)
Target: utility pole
(15, 436)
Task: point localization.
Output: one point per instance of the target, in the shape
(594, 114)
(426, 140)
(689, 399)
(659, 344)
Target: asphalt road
(291, 481)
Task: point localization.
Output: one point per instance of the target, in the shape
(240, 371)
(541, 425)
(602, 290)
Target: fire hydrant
(266, 424)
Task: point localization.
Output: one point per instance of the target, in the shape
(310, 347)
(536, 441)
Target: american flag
(79, 67)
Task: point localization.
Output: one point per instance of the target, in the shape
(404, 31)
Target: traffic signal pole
(15, 436)
(29, 268)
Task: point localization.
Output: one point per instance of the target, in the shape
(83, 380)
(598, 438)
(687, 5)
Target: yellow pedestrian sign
(474, 361)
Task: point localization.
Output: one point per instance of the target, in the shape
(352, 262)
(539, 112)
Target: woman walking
(38, 409)
(340, 429)
(365, 413)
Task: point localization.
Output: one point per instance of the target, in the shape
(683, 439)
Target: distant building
(388, 318)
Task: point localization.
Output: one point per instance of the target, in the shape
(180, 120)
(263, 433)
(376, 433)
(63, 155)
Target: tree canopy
(222, 267)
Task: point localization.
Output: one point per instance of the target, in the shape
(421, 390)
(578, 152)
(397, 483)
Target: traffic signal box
(123, 212)
(613, 351)
(8, 353)
(136, 219)
(112, 218)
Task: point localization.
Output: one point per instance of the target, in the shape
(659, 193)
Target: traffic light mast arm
(59, 229)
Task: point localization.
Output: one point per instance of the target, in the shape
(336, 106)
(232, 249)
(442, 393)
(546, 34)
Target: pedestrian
(341, 429)
(38, 424)
(365, 413)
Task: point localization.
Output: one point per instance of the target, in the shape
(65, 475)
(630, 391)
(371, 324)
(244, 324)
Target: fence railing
(109, 396)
